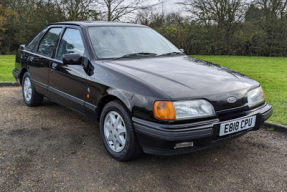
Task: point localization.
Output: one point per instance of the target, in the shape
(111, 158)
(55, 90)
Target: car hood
(184, 78)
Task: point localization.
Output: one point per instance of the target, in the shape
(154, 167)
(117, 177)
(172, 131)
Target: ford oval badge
(231, 100)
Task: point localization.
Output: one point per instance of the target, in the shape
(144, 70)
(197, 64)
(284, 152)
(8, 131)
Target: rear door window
(48, 42)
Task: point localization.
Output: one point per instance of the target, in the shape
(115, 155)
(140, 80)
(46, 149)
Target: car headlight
(256, 96)
(179, 110)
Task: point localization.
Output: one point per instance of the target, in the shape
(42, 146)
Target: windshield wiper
(171, 53)
(140, 54)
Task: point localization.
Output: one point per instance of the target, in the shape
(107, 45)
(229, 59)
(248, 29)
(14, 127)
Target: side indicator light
(263, 92)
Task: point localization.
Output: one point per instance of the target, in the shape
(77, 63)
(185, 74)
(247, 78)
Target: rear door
(39, 62)
(68, 82)
(24, 55)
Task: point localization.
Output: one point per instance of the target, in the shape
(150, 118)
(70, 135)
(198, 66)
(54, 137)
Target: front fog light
(183, 145)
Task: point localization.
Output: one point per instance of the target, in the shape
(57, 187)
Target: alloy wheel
(115, 131)
(27, 89)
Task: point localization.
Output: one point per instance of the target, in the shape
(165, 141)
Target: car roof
(97, 23)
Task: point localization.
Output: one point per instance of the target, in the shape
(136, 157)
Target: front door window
(71, 43)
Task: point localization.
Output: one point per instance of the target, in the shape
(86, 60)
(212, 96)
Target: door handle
(54, 65)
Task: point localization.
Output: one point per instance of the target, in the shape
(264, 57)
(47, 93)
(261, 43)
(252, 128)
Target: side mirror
(72, 59)
(22, 46)
(182, 50)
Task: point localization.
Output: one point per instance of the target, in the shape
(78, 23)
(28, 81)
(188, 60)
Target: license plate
(237, 125)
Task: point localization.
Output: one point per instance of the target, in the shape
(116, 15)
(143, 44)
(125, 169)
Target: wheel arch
(23, 71)
(114, 94)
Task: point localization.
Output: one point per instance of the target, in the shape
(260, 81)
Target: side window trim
(58, 44)
(61, 37)
(38, 44)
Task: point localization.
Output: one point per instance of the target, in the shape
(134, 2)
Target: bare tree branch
(116, 9)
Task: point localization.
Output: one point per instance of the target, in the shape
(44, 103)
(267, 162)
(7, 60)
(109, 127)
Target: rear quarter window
(31, 45)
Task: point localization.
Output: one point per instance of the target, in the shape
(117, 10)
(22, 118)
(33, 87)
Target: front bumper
(160, 139)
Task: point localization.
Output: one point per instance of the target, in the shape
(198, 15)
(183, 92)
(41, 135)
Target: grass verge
(7, 64)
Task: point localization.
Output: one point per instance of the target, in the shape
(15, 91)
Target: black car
(147, 95)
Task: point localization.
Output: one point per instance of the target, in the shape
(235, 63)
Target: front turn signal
(164, 110)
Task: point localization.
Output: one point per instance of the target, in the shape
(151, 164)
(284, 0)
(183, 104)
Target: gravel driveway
(51, 148)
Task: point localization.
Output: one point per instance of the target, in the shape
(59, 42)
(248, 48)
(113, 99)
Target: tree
(174, 19)
(5, 14)
(77, 10)
(273, 8)
(144, 16)
(224, 13)
(274, 23)
(157, 20)
(32, 16)
(116, 9)
(253, 13)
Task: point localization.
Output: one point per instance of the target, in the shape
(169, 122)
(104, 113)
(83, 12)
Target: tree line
(214, 27)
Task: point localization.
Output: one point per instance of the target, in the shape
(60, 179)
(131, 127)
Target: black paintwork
(137, 82)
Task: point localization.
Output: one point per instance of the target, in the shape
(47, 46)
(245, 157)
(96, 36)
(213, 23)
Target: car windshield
(116, 42)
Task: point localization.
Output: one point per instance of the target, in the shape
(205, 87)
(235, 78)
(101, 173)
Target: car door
(67, 83)
(39, 61)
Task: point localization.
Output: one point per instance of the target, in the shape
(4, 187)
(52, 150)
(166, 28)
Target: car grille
(231, 113)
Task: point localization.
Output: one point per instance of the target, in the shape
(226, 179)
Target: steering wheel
(105, 50)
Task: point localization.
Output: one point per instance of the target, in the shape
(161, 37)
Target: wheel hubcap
(115, 131)
(27, 89)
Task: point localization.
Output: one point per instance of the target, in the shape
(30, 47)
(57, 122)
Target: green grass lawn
(7, 64)
(271, 72)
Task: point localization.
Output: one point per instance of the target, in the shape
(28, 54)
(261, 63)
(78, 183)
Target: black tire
(132, 148)
(36, 98)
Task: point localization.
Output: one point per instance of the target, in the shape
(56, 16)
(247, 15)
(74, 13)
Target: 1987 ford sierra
(147, 95)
